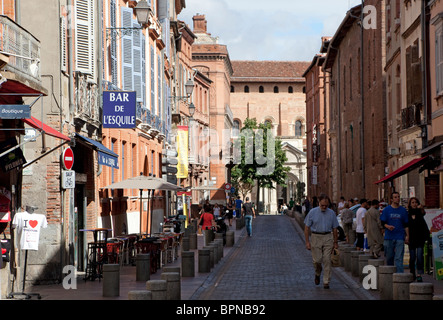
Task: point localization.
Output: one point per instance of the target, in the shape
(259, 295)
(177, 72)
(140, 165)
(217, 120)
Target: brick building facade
(273, 91)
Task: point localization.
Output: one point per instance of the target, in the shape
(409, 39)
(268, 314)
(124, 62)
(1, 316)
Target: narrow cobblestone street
(274, 264)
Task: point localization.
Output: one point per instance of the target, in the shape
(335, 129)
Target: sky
(281, 30)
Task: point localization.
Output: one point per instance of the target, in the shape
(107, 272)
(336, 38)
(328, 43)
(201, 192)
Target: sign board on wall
(119, 109)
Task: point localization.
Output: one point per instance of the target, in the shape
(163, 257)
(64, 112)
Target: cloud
(263, 30)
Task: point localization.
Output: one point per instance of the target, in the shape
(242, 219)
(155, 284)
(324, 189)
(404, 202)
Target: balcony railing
(411, 116)
(22, 48)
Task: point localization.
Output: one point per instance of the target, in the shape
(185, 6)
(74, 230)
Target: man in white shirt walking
(360, 230)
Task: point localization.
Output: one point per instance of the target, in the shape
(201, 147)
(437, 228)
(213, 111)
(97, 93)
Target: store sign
(15, 111)
(12, 159)
(119, 109)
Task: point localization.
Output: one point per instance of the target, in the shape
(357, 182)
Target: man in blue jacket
(394, 219)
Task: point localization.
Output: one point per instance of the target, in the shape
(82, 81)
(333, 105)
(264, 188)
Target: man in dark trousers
(249, 212)
(321, 223)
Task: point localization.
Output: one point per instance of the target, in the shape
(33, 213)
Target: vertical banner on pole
(182, 150)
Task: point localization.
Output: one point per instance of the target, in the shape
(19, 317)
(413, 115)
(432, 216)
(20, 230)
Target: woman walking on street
(418, 235)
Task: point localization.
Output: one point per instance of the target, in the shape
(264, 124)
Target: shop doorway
(80, 210)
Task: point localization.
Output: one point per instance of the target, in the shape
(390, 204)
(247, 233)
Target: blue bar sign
(119, 109)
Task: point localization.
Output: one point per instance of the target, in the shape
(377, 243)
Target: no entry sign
(68, 158)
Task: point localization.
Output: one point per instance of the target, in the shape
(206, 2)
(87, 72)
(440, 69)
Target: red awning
(37, 124)
(403, 169)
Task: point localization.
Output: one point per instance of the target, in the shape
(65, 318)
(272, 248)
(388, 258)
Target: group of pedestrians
(209, 214)
(386, 230)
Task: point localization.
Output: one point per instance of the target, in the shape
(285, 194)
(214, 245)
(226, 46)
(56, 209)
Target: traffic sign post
(68, 158)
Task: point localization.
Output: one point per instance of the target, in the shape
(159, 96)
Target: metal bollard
(158, 289)
(400, 285)
(421, 291)
(188, 264)
(204, 264)
(385, 284)
(354, 262)
(362, 262)
(111, 280)
(230, 239)
(143, 267)
(173, 285)
(192, 241)
(139, 295)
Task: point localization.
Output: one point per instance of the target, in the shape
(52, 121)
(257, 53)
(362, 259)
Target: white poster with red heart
(28, 227)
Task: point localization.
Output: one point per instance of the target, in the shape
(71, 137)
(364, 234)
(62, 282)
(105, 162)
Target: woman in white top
(216, 211)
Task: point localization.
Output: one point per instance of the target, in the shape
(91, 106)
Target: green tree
(259, 158)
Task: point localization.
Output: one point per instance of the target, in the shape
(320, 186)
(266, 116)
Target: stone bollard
(204, 264)
(347, 258)
(421, 291)
(173, 285)
(211, 255)
(185, 243)
(216, 254)
(143, 267)
(354, 262)
(221, 247)
(218, 235)
(111, 280)
(385, 285)
(341, 248)
(377, 263)
(188, 264)
(209, 236)
(400, 285)
(230, 238)
(158, 289)
(139, 295)
(171, 269)
(192, 241)
(362, 262)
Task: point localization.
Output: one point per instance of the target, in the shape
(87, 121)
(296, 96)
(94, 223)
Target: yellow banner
(182, 150)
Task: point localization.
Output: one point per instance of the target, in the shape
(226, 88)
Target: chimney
(200, 23)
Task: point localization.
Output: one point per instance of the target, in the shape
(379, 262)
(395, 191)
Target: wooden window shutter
(114, 62)
(153, 109)
(127, 50)
(84, 36)
(63, 47)
(137, 60)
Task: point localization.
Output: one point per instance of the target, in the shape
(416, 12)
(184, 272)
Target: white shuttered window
(84, 36)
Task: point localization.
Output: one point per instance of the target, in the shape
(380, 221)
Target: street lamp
(189, 86)
(142, 11)
(191, 109)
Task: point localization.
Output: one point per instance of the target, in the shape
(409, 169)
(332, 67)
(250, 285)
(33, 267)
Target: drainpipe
(18, 12)
(424, 66)
(362, 126)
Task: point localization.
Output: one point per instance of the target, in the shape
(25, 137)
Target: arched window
(298, 128)
(290, 89)
(261, 89)
(275, 89)
(268, 122)
(246, 89)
